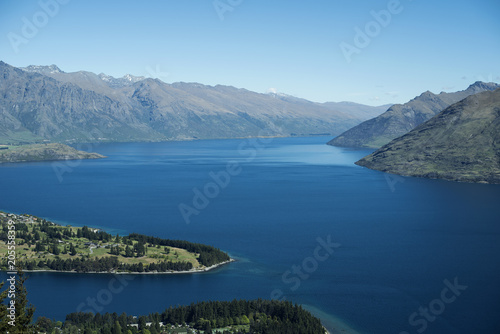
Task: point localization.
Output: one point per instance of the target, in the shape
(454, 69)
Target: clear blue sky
(292, 46)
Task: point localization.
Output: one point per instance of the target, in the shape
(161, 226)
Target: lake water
(396, 240)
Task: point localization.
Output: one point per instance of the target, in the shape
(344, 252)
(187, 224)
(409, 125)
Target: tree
(39, 247)
(72, 249)
(117, 329)
(142, 323)
(55, 249)
(3, 310)
(44, 324)
(245, 320)
(128, 252)
(24, 310)
(139, 248)
(208, 327)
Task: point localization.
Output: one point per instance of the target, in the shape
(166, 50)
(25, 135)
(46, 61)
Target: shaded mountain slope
(462, 143)
(401, 118)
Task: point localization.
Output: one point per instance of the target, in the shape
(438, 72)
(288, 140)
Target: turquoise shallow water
(396, 239)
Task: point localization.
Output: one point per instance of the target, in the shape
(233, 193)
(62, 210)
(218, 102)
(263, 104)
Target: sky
(373, 52)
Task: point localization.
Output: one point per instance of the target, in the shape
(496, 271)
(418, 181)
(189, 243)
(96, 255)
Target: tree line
(209, 255)
(261, 316)
(104, 264)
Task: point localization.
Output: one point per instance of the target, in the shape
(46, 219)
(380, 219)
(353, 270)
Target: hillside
(462, 143)
(44, 103)
(43, 152)
(401, 118)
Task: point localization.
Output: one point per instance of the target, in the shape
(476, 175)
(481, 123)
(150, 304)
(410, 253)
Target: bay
(398, 241)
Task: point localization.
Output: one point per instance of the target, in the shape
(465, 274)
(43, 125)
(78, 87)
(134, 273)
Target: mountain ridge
(46, 103)
(402, 118)
(462, 143)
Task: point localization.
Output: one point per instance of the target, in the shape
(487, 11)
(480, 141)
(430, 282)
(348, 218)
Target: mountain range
(462, 143)
(43, 103)
(401, 118)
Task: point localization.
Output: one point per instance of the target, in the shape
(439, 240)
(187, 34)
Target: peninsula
(43, 152)
(42, 245)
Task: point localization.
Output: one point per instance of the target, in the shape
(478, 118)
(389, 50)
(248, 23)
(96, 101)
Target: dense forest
(237, 316)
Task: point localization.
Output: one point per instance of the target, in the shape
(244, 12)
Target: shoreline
(331, 323)
(192, 271)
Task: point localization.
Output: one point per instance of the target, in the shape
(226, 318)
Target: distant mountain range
(43, 103)
(401, 118)
(462, 143)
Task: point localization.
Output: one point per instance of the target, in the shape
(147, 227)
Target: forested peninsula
(44, 245)
(237, 316)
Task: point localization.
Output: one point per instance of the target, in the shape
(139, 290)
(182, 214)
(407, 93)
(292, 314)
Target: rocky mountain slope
(44, 103)
(462, 143)
(401, 118)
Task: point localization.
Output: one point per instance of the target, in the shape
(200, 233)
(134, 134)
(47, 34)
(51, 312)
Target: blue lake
(397, 240)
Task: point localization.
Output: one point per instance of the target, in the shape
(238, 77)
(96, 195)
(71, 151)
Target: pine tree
(72, 249)
(208, 327)
(139, 248)
(39, 247)
(55, 249)
(142, 323)
(24, 310)
(128, 252)
(117, 329)
(4, 326)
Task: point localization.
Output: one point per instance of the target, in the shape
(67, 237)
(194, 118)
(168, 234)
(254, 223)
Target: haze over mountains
(462, 143)
(401, 118)
(43, 103)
